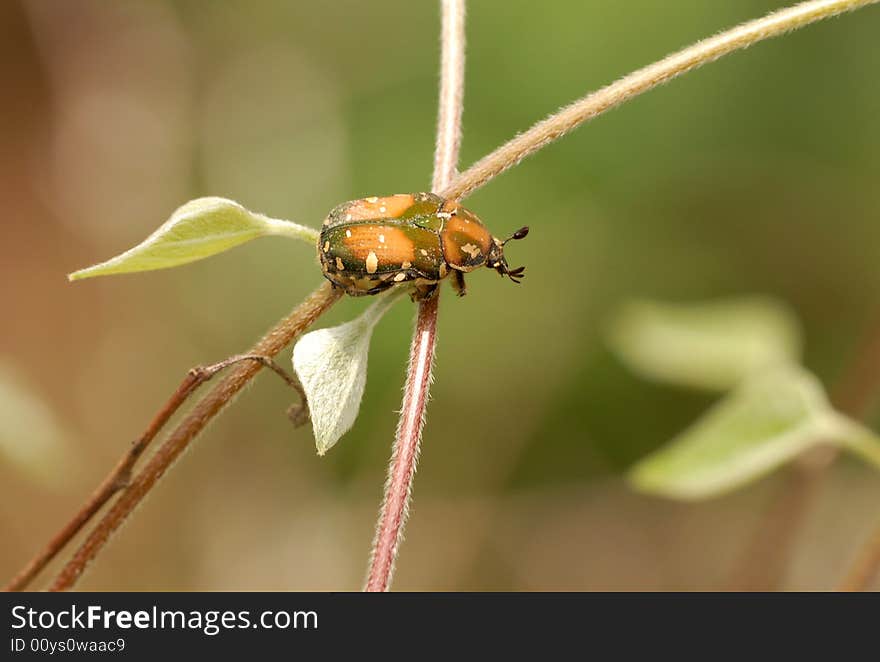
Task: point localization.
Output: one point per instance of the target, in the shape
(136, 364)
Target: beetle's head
(498, 262)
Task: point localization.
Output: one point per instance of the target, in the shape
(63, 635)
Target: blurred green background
(756, 174)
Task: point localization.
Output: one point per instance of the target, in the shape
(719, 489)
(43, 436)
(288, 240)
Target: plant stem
(281, 335)
(120, 476)
(630, 86)
(451, 101)
(405, 451)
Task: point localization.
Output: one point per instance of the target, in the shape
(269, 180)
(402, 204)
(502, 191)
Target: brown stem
(405, 454)
(771, 546)
(204, 411)
(120, 476)
(405, 451)
(117, 479)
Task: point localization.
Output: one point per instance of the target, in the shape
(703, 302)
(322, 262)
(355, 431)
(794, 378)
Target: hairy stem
(630, 86)
(405, 451)
(281, 335)
(451, 102)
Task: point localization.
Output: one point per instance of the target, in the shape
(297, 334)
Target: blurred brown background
(755, 174)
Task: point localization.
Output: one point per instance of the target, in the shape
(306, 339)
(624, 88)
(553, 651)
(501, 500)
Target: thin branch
(630, 86)
(116, 480)
(120, 476)
(281, 335)
(405, 452)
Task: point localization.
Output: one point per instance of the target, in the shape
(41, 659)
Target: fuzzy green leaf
(332, 366)
(710, 345)
(199, 229)
(769, 419)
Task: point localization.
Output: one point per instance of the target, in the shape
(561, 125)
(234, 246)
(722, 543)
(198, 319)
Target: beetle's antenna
(519, 234)
(516, 275)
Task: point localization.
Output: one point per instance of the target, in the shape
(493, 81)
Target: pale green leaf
(709, 345)
(769, 419)
(198, 229)
(332, 366)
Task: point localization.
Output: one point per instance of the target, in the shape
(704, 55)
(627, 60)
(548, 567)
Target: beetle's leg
(423, 291)
(376, 290)
(458, 283)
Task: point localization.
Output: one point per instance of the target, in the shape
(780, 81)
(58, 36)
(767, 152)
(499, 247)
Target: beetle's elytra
(369, 245)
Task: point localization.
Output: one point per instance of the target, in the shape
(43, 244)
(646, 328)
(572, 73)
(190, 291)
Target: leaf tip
(80, 274)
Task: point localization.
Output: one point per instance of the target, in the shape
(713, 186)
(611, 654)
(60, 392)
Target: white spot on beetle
(348, 217)
(442, 270)
(424, 252)
(383, 209)
(471, 250)
(381, 238)
(339, 264)
(348, 233)
(399, 277)
(372, 263)
(406, 265)
(372, 199)
(326, 246)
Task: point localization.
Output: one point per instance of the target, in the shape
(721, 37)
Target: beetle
(369, 245)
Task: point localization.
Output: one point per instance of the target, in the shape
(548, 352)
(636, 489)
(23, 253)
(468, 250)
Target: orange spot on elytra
(378, 208)
(396, 248)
